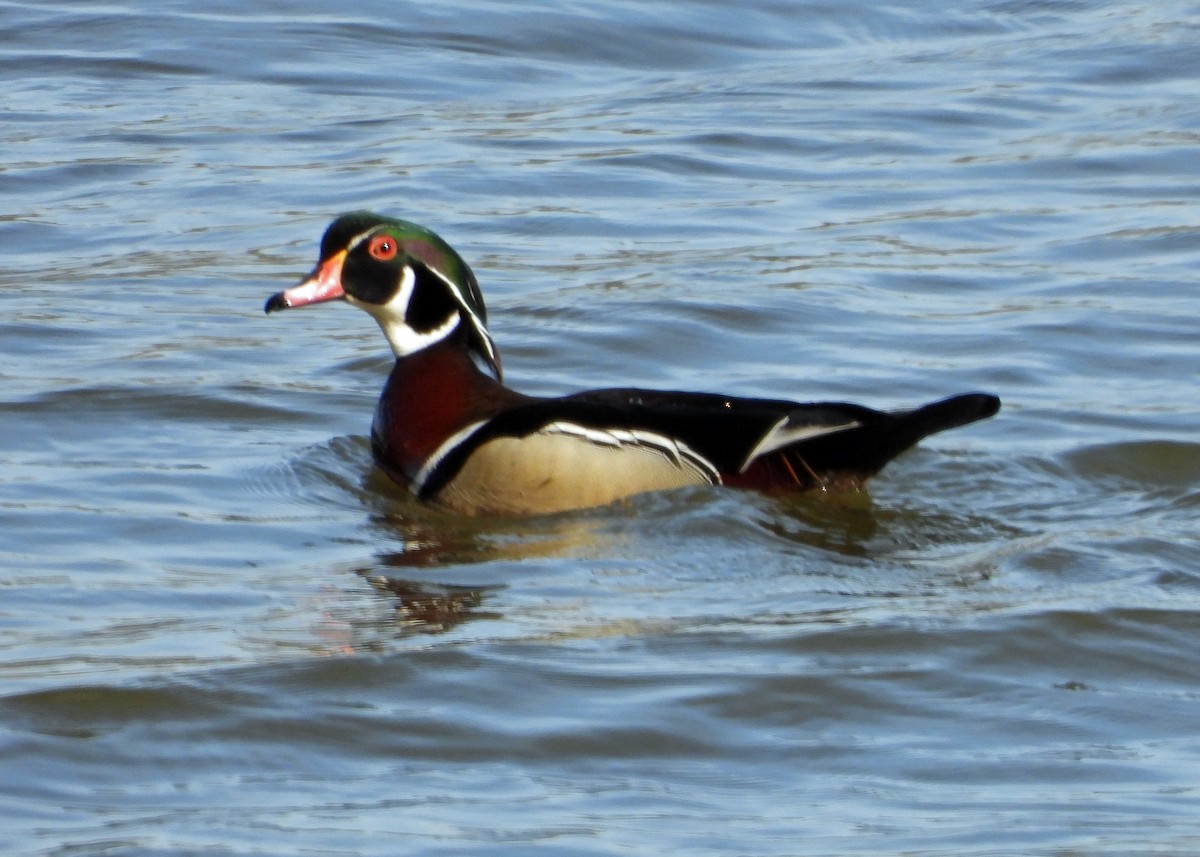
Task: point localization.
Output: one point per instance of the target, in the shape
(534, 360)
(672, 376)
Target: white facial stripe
(475, 320)
(404, 340)
(359, 238)
(390, 316)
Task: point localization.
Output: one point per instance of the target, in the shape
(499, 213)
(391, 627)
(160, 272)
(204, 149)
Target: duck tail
(851, 457)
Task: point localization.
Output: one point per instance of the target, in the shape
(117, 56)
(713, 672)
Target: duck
(448, 430)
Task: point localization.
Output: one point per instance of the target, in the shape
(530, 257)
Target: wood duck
(448, 430)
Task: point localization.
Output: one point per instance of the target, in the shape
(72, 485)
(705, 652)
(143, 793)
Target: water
(224, 632)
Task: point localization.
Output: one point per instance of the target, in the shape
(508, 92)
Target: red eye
(383, 248)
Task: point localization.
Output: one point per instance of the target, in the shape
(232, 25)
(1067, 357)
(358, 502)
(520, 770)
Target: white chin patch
(403, 339)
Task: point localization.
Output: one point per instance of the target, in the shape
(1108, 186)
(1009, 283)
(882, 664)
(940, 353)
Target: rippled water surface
(223, 632)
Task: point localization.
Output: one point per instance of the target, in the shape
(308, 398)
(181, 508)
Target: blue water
(223, 632)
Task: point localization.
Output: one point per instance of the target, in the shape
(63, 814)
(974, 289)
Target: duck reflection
(434, 607)
(442, 570)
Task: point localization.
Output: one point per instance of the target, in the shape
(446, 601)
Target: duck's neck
(429, 396)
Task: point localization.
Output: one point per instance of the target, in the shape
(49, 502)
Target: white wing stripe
(779, 436)
(679, 453)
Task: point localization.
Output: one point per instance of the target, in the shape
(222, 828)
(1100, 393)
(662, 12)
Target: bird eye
(383, 248)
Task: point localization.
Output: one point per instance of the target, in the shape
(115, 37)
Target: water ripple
(209, 588)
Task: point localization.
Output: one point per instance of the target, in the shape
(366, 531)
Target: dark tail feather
(912, 426)
(862, 452)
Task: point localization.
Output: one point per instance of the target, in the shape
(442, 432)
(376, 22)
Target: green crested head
(413, 242)
(411, 281)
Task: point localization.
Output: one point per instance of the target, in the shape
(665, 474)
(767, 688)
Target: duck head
(406, 277)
